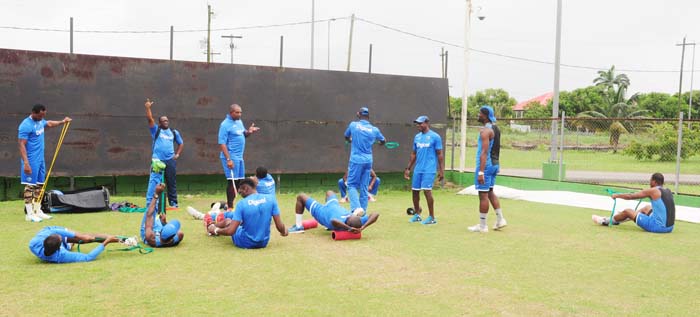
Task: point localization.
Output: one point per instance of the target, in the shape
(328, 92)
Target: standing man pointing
(232, 135)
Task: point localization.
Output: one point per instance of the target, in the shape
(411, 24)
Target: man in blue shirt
(362, 135)
(265, 183)
(659, 217)
(330, 215)
(428, 157)
(249, 226)
(372, 188)
(32, 172)
(487, 167)
(53, 244)
(231, 140)
(163, 146)
(157, 231)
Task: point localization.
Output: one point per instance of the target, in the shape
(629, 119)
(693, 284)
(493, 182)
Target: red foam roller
(220, 217)
(309, 224)
(345, 235)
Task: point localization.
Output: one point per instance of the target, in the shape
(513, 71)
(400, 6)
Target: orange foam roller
(309, 224)
(345, 235)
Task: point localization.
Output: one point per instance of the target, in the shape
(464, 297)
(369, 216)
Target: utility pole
(313, 23)
(680, 83)
(171, 42)
(209, 13)
(370, 58)
(71, 35)
(442, 61)
(231, 46)
(352, 26)
(465, 92)
(281, 49)
(555, 98)
(447, 55)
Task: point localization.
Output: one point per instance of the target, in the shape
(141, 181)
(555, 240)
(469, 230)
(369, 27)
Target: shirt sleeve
(275, 208)
(223, 135)
(380, 136)
(238, 213)
(178, 137)
(438, 142)
(153, 130)
(347, 131)
(24, 131)
(414, 145)
(70, 257)
(64, 233)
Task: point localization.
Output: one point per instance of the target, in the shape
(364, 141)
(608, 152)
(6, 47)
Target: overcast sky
(633, 35)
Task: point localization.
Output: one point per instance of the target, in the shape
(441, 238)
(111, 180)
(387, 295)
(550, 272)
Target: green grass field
(549, 261)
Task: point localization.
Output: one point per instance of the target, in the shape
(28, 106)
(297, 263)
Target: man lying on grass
(659, 217)
(157, 231)
(53, 244)
(249, 223)
(331, 215)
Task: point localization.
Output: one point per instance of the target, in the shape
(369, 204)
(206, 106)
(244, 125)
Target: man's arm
(69, 257)
(23, 153)
(51, 124)
(339, 224)
(180, 144)
(441, 164)
(372, 219)
(407, 171)
(149, 115)
(250, 130)
(150, 235)
(226, 231)
(484, 136)
(372, 180)
(649, 192)
(280, 226)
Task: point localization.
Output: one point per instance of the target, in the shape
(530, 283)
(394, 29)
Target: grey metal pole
(555, 103)
(281, 48)
(208, 33)
(313, 23)
(447, 55)
(370, 58)
(71, 35)
(352, 26)
(678, 149)
(171, 42)
(442, 61)
(680, 82)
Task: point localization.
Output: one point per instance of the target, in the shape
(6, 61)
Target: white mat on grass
(573, 199)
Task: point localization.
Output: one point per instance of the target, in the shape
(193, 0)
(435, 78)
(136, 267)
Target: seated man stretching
(331, 215)
(659, 217)
(249, 223)
(53, 244)
(157, 232)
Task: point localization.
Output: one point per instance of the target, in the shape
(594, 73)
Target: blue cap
(364, 111)
(492, 117)
(421, 119)
(170, 230)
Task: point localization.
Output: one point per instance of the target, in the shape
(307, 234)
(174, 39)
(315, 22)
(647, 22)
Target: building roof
(543, 100)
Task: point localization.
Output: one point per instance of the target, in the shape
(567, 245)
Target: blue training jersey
(231, 134)
(163, 147)
(664, 209)
(333, 210)
(479, 147)
(425, 145)
(63, 254)
(255, 214)
(33, 132)
(266, 186)
(363, 135)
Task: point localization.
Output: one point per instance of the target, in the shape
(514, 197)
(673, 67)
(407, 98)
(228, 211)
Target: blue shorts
(242, 241)
(651, 224)
(238, 169)
(423, 181)
(38, 175)
(490, 173)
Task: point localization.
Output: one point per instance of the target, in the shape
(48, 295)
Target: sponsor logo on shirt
(268, 184)
(363, 128)
(166, 137)
(422, 145)
(39, 132)
(256, 202)
(239, 131)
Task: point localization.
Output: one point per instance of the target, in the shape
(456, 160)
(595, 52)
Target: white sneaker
(30, 216)
(42, 215)
(195, 213)
(478, 228)
(599, 220)
(216, 207)
(371, 198)
(500, 224)
(358, 212)
(343, 200)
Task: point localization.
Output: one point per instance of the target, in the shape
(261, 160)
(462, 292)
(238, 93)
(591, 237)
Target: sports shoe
(371, 198)
(195, 213)
(358, 212)
(30, 216)
(343, 200)
(216, 207)
(295, 229)
(429, 221)
(478, 228)
(42, 215)
(500, 224)
(603, 221)
(415, 218)
(207, 221)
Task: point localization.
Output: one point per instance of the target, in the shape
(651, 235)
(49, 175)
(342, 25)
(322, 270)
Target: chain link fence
(610, 151)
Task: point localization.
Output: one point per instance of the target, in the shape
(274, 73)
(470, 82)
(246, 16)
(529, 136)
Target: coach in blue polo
(362, 135)
(163, 145)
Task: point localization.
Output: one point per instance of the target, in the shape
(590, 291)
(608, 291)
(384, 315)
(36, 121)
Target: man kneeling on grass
(659, 217)
(157, 231)
(249, 223)
(330, 215)
(53, 244)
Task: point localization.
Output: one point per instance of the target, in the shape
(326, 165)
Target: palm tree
(615, 108)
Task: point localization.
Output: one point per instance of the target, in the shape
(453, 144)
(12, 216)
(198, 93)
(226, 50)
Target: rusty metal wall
(302, 113)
